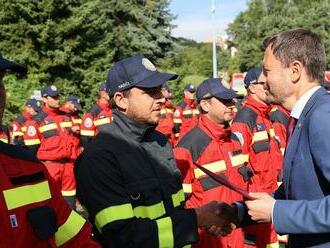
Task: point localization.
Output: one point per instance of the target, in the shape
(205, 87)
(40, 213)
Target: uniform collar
(50, 111)
(301, 103)
(66, 110)
(262, 108)
(27, 115)
(103, 106)
(136, 130)
(189, 102)
(216, 131)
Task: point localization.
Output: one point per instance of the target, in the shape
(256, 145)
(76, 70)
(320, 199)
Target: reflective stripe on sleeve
(66, 124)
(113, 213)
(24, 195)
(77, 121)
(87, 132)
(272, 132)
(187, 112)
(215, 167)
(4, 140)
(178, 198)
(24, 129)
(165, 232)
(69, 229)
(32, 142)
(48, 127)
(187, 188)
(102, 121)
(152, 212)
(239, 159)
(273, 245)
(18, 133)
(68, 192)
(176, 120)
(258, 136)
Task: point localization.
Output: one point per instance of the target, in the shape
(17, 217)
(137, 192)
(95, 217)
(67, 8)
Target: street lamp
(214, 48)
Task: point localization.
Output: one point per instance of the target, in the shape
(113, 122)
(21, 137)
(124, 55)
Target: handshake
(218, 218)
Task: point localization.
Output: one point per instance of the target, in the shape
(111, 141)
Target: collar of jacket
(262, 108)
(137, 131)
(190, 102)
(50, 111)
(215, 130)
(27, 115)
(103, 106)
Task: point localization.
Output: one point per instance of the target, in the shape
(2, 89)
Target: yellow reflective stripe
(279, 184)
(282, 151)
(273, 109)
(272, 132)
(48, 127)
(273, 245)
(18, 133)
(176, 135)
(169, 111)
(187, 112)
(187, 246)
(24, 129)
(4, 140)
(102, 121)
(113, 213)
(66, 124)
(87, 132)
(69, 229)
(165, 233)
(24, 195)
(177, 198)
(187, 188)
(258, 136)
(195, 112)
(239, 159)
(77, 121)
(175, 120)
(31, 142)
(69, 192)
(163, 111)
(151, 212)
(282, 238)
(214, 167)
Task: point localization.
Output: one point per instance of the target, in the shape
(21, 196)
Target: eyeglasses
(261, 83)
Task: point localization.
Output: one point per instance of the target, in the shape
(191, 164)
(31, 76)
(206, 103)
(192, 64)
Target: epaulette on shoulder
(17, 152)
(95, 110)
(279, 117)
(40, 117)
(196, 140)
(21, 119)
(247, 116)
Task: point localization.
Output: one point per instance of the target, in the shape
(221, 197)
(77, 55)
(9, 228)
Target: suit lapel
(293, 145)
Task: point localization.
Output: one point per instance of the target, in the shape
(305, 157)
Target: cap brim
(77, 105)
(227, 95)
(156, 80)
(9, 65)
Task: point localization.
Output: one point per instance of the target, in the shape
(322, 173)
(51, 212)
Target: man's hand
(261, 208)
(217, 218)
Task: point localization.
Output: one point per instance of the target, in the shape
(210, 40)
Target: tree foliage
(72, 43)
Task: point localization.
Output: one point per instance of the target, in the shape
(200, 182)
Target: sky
(194, 19)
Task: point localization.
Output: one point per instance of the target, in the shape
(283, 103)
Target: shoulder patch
(177, 113)
(88, 122)
(196, 140)
(31, 131)
(247, 116)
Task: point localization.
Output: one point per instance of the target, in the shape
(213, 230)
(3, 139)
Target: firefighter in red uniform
(4, 134)
(186, 112)
(254, 129)
(33, 212)
(49, 137)
(165, 124)
(31, 108)
(97, 119)
(209, 144)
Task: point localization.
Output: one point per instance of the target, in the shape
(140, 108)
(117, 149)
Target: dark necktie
(291, 126)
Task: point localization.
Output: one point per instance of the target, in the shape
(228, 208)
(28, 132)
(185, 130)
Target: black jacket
(128, 180)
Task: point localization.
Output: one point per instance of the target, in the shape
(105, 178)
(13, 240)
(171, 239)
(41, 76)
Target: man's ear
(120, 100)
(205, 105)
(296, 69)
(252, 88)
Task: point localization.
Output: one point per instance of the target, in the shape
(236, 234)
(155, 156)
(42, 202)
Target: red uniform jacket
(33, 211)
(18, 129)
(96, 120)
(165, 124)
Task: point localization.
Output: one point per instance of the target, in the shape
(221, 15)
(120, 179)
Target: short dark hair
(302, 45)
(113, 104)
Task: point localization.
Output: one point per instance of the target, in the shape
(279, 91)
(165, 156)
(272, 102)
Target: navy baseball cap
(35, 104)
(51, 91)
(252, 76)
(213, 87)
(103, 87)
(190, 87)
(9, 65)
(135, 71)
(76, 101)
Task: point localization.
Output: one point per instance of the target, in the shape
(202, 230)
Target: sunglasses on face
(261, 83)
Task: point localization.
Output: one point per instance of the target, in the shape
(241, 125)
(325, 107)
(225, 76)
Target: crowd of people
(134, 162)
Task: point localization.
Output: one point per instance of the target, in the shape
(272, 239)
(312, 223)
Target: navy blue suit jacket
(307, 178)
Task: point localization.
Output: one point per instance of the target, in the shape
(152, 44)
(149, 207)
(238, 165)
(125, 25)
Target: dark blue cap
(76, 101)
(135, 71)
(213, 87)
(326, 84)
(190, 87)
(103, 87)
(7, 64)
(36, 105)
(50, 91)
(252, 76)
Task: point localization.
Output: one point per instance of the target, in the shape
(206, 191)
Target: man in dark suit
(293, 67)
